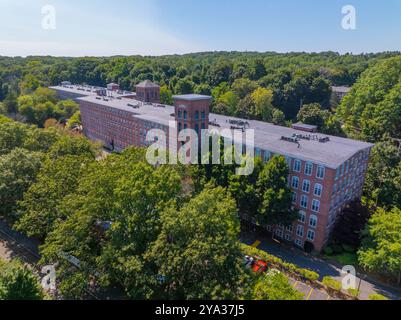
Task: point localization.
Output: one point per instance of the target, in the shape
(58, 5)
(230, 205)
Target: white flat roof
(331, 154)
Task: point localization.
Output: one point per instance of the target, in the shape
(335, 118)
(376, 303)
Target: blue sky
(155, 27)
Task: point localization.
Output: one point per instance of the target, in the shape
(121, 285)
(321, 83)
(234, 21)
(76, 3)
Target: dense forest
(266, 86)
(53, 186)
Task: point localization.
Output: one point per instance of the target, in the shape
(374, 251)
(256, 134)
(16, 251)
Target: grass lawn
(346, 258)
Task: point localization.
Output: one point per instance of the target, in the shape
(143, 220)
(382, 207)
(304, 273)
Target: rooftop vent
(324, 140)
(304, 127)
(239, 123)
(214, 124)
(292, 140)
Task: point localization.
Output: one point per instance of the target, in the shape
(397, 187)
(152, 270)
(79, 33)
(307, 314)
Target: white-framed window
(318, 190)
(299, 243)
(297, 165)
(308, 168)
(302, 216)
(320, 172)
(311, 235)
(269, 228)
(289, 228)
(304, 201)
(315, 205)
(279, 233)
(313, 221)
(295, 182)
(294, 197)
(306, 186)
(288, 237)
(300, 231)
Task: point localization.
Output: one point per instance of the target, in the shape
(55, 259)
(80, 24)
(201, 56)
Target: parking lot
(309, 293)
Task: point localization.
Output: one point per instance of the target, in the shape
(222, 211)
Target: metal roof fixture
(214, 123)
(292, 140)
(324, 139)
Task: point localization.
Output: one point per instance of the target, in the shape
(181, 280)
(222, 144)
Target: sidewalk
(323, 268)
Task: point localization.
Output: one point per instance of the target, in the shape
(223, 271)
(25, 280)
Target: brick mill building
(326, 172)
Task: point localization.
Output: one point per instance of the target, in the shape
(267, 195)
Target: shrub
(353, 292)
(377, 296)
(337, 249)
(332, 283)
(348, 249)
(309, 274)
(328, 251)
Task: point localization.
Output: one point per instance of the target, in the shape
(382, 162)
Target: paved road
(320, 266)
(15, 245)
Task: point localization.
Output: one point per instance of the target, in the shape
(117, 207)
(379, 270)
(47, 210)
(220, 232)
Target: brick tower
(147, 91)
(192, 111)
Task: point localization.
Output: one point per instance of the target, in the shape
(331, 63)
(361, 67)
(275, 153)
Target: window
(179, 114)
(299, 243)
(288, 237)
(316, 205)
(295, 182)
(304, 201)
(300, 231)
(311, 235)
(266, 156)
(318, 190)
(334, 189)
(289, 228)
(297, 165)
(320, 172)
(269, 228)
(306, 186)
(313, 221)
(294, 197)
(302, 216)
(203, 115)
(196, 115)
(258, 152)
(308, 168)
(279, 233)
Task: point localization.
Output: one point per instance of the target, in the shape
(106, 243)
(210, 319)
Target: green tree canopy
(18, 170)
(275, 286)
(373, 107)
(197, 251)
(382, 247)
(275, 194)
(17, 282)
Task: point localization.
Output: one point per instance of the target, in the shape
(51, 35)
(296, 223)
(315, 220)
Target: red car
(256, 263)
